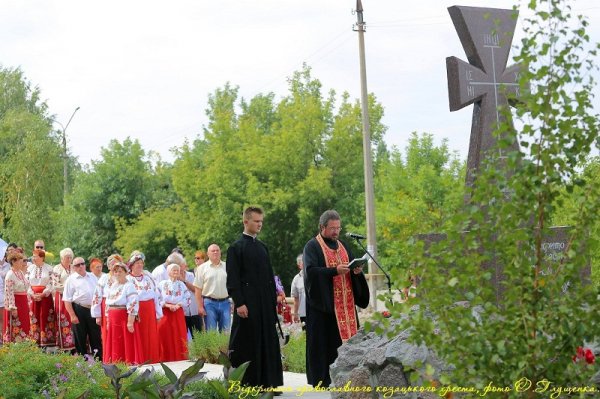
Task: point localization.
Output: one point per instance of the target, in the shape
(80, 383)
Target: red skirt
(149, 332)
(64, 332)
(121, 345)
(43, 321)
(173, 336)
(16, 329)
(103, 326)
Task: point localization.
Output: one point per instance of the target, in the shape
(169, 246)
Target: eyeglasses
(79, 264)
(198, 258)
(39, 247)
(334, 228)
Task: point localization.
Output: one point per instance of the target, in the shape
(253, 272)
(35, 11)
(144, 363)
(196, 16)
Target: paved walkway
(294, 384)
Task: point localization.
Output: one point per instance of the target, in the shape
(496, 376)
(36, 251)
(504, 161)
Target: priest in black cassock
(332, 292)
(251, 285)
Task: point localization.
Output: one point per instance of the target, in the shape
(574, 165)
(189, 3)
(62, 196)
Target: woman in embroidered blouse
(64, 333)
(4, 268)
(123, 341)
(98, 310)
(171, 328)
(16, 308)
(42, 317)
(150, 309)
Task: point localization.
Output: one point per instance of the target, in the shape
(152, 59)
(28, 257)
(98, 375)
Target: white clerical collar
(250, 235)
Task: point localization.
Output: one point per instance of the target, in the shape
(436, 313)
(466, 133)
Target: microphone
(355, 236)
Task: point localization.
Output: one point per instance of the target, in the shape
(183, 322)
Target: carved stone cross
(486, 35)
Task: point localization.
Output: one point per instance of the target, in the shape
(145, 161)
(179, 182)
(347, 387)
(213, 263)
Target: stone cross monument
(486, 35)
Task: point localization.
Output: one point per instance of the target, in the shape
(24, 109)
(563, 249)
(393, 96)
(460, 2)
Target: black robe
(322, 333)
(250, 282)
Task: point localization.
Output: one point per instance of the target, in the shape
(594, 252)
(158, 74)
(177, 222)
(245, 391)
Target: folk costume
(64, 331)
(331, 316)
(250, 282)
(4, 268)
(16, 328)
(172, 330)
(121, 345)
(42, 316)
(98, 309)
(150, 311)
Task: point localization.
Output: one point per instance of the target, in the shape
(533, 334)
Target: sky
(144, 69)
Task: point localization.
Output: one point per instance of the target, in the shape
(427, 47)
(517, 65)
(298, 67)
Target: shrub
(27, 372)
(207, 345)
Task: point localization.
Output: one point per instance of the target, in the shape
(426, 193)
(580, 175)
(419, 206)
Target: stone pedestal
(373, 360)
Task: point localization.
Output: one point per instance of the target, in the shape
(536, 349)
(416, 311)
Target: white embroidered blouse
(123, 295)
(40, 276)
(174, 293)
(147, 290)
(59, 276)
(14, 283)
(101, 291)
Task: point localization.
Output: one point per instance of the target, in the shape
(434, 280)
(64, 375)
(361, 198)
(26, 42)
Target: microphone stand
(387, 276)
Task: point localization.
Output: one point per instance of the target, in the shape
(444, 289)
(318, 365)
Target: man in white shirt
(211, 291)
(299, 314)
(77, 297)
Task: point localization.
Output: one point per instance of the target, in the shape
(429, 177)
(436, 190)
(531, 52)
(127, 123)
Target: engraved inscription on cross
(486, 35)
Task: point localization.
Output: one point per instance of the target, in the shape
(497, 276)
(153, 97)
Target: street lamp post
(65, 158)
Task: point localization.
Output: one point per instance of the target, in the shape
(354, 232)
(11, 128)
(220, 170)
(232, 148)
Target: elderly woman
(150, 309)
(4, 268)
(42, 316)
(98, 310)
(171, 328)
(123, 341)
(64, 333)
(96, 267)
(16, 308)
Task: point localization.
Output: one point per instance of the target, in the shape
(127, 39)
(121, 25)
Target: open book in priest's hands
(358, 262)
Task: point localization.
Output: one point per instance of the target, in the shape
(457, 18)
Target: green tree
(31, 166)
(278, 155)
(416, 196)
(119, 187)
(526, 328)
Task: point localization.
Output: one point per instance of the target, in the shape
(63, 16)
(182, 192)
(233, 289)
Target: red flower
(386, 314)
(589, 357)
(584, 354)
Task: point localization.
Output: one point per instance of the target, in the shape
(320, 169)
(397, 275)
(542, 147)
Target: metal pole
(65, 158)
(368, 161)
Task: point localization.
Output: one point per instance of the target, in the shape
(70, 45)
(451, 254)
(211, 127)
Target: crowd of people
(131, 315)
(126, 315)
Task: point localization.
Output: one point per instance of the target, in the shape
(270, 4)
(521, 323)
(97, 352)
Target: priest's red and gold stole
(343, 299)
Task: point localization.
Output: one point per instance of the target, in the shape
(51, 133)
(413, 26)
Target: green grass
(295, 354)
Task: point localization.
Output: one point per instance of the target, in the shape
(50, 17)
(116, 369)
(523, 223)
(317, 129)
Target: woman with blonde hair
(42, 316)
(16, 308)
(172, 330)
(64, 332)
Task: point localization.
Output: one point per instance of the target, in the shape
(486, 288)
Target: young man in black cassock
(251, 284)
(332, 292)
